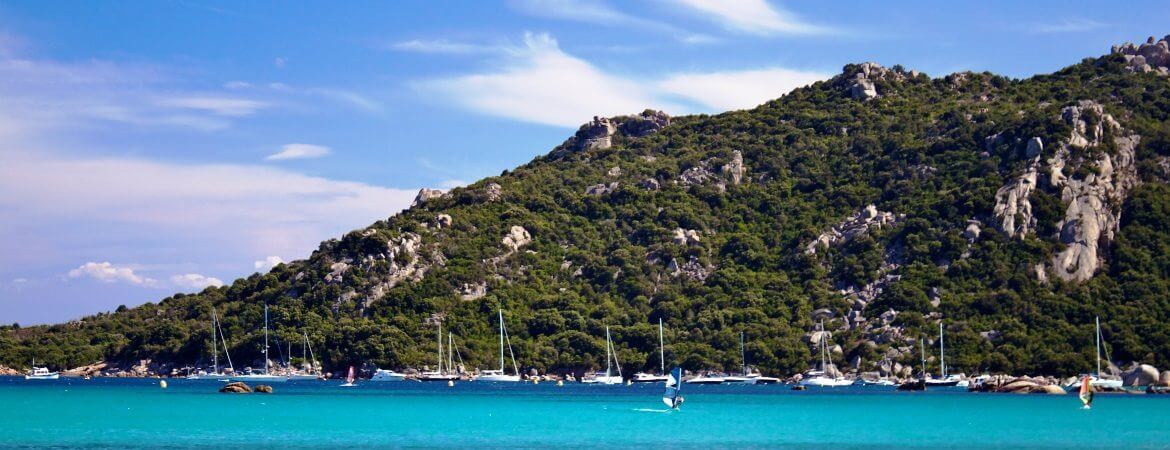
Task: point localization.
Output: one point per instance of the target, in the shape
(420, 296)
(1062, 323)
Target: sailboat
(673, 395)
(748, 377)
(819, 377)
(642, 377)
(440, 374)
(945, 380)
(350, 378)
(215, 373)
(40, 373)
(607, 377)
(265, 376)
(307, 355)
(1095, 380)
(499, 375)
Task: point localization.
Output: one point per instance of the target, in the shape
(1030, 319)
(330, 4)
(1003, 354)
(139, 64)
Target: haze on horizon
(159, 147)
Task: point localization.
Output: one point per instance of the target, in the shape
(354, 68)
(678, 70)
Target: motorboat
(387, 375)
(41, 373)
(707, 379)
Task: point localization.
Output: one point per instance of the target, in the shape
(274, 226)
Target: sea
(139, 413)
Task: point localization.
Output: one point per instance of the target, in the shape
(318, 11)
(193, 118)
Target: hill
(880, 201)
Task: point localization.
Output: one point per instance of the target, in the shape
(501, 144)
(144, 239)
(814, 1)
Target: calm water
(137, 413)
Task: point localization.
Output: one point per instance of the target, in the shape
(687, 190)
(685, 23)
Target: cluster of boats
(287, 373)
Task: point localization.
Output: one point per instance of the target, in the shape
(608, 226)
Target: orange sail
(1086, 393)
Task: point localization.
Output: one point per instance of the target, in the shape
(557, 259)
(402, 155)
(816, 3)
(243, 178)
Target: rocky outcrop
(493, 192)
(601, 189)
(1094, 201)
(235, 387)
(692, 269)
(1164, 378)
(263, 389)
(425, 195)
(1152, 56)
(1099, 182)
(472, 291)
(858, 224)
(1013, 207)
(1140, 375)
(443, 221)
(685, 237)
(1020, 385)
(599, 132)
(91, 370)
(649, 184)
(516, 238)
(862, 86)
(8, 371)
(734, 169)
(972, 232)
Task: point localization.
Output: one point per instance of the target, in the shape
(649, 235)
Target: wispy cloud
(110, 273)
(753, 17)
(540, 83)
(299, 151)
(442, 46)
(600, 13)
(218, 105)
(738, 89)
(1076, 25)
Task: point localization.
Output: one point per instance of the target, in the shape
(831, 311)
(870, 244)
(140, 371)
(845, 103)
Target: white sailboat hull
(500, 378)
(649, 378)
(706, 380)
(603, 379)
(259, 378)
(826, 382)
(303, 377)
(1099, 382)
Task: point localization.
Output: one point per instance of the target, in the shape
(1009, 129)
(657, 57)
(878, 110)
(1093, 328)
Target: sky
(149, 148)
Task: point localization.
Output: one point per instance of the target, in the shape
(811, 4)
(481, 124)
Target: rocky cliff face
(1092, 170)
(599, 133)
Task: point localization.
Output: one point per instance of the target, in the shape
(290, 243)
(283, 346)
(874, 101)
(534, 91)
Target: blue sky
(148, 148)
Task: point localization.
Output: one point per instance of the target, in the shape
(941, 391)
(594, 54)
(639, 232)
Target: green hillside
(724, 224)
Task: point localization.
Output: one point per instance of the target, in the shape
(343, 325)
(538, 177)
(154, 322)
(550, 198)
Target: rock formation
(857, 224)
(1152, 56)
(493, 192)
(443, 221)
(734, 169)
(1140, 375)
(235, 387)
(684, 237)
(472, 291)
(425, 195)
(1013, 207)
(599, 132)
(601, 189)
(517, 237)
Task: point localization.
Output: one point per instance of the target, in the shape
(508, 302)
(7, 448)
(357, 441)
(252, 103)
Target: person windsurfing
(1086, 393)
(673, 395)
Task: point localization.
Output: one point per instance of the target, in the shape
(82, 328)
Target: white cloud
(267, 263)
(109, 273)
(600, 13)
(752, 16)
(299, 151)
(544, 85)
(346, 97)
(450, 184)
(540, 83)
(1068, 26)
(223, 106)
(442, 46)
(181, 208)
(194, 281)
(738, 89)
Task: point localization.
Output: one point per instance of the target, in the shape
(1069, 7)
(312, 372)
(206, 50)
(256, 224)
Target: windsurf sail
(672, 397)
(1086, 393)
(350, 378)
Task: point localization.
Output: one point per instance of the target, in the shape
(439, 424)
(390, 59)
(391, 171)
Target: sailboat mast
(661, 351)
(1098, 320)
(607, 347)
(450, 351)
(266, 339)
(501, 341)
(439, 337)
(214, 342)
(922, 351)
(824, 352)
(942, 352)
(742, 355)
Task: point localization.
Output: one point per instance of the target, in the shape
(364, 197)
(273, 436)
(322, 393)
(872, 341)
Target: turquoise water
(137, 413)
